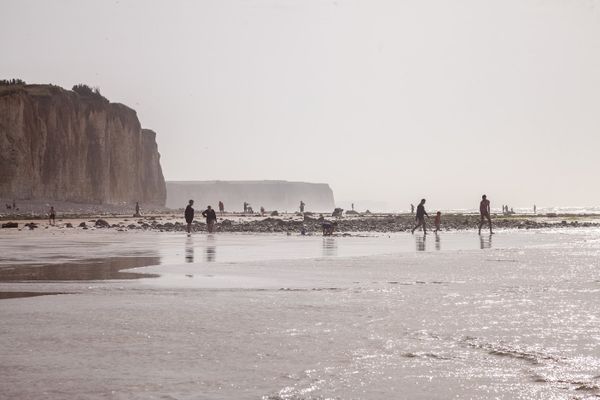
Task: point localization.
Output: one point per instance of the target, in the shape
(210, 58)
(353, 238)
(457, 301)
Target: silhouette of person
(412, 209)
(189, 216)
(420, 218)
(52, 216)
(221, 207)
(438, 221)
(211, 218)
(302, 206)
(137, 209)
(484, 211)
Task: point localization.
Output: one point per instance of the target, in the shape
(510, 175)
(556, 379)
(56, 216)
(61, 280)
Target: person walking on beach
(189, 216)
(420, 218)
(221, 207)
(437, 221)
(52, 216)
(302, 206)
(484, 210)
(211, 218)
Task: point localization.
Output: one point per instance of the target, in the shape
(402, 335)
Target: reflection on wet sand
(330, 248)
(210, 253)
(420, 242)
(85, 270)
(438, 244)
(16, 295)
(189, 250)
(485, 242)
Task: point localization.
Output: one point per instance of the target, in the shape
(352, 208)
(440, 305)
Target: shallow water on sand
(514, 316)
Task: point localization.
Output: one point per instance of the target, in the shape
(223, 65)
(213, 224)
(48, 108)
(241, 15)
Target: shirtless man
(484, 210)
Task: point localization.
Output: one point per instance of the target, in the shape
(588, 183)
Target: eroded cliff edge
(57, 144)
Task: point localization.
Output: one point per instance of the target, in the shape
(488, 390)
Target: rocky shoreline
(296, 223)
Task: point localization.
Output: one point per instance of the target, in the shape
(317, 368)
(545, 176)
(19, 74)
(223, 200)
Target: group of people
(209, 214)
(484, 212)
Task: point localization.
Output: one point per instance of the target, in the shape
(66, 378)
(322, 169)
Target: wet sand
(512, 316)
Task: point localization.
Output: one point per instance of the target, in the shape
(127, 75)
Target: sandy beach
(271, 316)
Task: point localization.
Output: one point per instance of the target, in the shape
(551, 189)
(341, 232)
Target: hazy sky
(384, 100)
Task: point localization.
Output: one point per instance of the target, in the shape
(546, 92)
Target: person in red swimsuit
(484, 210)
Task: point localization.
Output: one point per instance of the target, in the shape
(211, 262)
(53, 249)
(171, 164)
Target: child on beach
(437, 221)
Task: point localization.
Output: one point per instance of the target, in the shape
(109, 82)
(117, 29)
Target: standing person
(52, 216)
(412, 209)
(438, 221)
(189, 216)
(534, 209)
(211, 218)
(420, 218)
(484, 210)
(245, 207)
(137, 209)
(302, 206)
(221, 207)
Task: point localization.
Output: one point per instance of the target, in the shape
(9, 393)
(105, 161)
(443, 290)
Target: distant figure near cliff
(302, 206)
(52, 216)
(137, 210)
(221, 207)
(412, 209)
(189, 216)
(245, 207)
(484, 210)
(211, 218)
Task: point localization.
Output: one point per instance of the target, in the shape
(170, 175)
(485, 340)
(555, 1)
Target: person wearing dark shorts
(211, 218)
(189, 216)
(420, 218)
(484, 211)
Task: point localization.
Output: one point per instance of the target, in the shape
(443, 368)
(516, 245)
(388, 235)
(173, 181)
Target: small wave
(504, 350)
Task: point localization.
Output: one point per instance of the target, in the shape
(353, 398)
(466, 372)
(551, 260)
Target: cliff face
(58, 145)
(273, 195)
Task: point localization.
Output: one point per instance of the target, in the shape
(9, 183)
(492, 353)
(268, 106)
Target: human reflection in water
(485, 242)
(438, 243)
(210, 252)
(420, 242)
(189, 250)
(329, 247)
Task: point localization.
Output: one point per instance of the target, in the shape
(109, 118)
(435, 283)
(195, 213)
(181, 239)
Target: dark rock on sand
(100, 223)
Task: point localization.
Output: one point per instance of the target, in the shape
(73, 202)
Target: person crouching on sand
(211, 218)
(437, 221)
(420, 218)
(189, 216)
